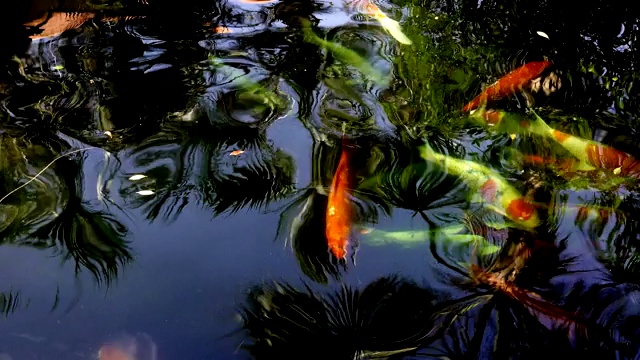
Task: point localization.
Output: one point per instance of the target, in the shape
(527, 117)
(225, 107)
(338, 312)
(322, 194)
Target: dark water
(185, 258)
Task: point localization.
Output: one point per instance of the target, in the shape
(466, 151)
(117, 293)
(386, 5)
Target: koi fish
(390, 25)
(502, 121)
(111, 352)
(591, 154)
(529, 299)
(138, 347)
(55, 23)
(338, 217)
(414, 238)
(342, 53)
(517, 80)
(494, 190)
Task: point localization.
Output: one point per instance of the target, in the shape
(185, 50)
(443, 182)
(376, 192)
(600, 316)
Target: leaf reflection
(49, 212)
(10, 302)
(193, 160)
(386, 319)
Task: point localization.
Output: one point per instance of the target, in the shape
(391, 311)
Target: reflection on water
(158, 161)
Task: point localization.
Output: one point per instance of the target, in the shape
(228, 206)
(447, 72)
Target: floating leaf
(543, 34)
(137, 177)
(145, 192)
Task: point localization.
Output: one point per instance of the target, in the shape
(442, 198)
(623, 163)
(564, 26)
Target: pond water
(181, 181)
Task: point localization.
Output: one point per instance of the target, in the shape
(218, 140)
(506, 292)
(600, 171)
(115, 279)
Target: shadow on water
(155, 148)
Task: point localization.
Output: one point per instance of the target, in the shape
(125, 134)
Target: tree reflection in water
(386, 318)
(49, 212)
(482, 318)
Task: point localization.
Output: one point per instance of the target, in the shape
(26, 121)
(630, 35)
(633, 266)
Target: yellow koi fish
(493, 188)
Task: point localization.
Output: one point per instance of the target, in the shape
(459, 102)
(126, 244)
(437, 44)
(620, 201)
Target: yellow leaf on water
(617, 170)
(236, 152)
(512, 136)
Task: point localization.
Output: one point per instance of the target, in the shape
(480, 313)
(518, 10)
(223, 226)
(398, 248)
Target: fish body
(591, 154)
(344, 54)
(496, 120)
(390, 25)
(414, 238)
(55, 23)
(517, 80)
(339, 212)
(112, 352)
(128, 347)
(493, 188)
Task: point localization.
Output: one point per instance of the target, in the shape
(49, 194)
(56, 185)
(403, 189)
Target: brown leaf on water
(236, 152)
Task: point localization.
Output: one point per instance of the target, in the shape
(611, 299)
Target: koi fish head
(523, 211)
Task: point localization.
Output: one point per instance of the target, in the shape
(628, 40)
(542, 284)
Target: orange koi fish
(338, 218)
(518, 79)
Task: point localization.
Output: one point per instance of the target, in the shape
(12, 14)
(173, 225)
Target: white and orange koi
(390, 25)
(492, 188)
